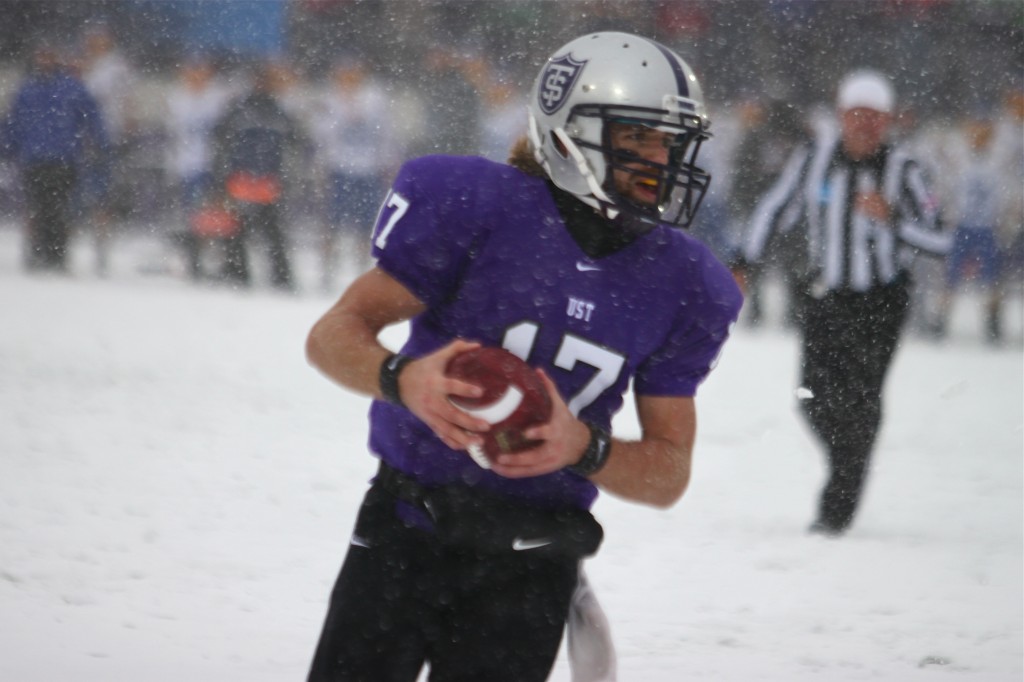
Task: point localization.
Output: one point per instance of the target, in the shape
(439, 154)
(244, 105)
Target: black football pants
(848, 344)
(403, 600)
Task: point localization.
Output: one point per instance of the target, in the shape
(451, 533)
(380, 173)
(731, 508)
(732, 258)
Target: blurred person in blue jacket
(51, 126)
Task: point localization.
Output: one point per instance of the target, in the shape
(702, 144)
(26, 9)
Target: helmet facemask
(679, 184)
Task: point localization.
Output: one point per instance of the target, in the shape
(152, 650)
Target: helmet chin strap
(597, 199)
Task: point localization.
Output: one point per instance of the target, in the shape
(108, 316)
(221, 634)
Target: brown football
(514, 399)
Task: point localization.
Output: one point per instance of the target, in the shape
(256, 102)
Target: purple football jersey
(484, 246)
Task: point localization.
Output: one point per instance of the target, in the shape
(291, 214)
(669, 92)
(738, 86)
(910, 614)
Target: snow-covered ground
(177, 489)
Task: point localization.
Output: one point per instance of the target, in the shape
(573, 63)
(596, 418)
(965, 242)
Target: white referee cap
(865, 89)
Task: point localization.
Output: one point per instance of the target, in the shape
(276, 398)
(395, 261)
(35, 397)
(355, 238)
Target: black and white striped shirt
(847, 250)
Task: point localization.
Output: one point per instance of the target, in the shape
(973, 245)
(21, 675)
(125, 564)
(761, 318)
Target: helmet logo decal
(560, 75)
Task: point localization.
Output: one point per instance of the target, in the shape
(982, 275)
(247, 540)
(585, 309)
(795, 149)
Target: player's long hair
(521, 157)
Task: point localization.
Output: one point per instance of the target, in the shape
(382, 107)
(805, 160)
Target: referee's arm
(779, 209)
(918, 223)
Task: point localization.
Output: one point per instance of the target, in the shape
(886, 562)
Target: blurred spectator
(252, 141)
(112, 82)
(355, 154)
(287, 84)
(773, 128)
(454, 79)
(711, 225)
(51, 126)
(294, 94)
(981, 190)
(503, 120)
(1010, 141)
(194, 104)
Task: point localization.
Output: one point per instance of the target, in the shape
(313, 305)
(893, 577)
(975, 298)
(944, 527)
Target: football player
(569, 257)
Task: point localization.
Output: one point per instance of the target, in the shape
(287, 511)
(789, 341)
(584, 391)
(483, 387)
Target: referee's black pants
(403, 599)
(849, 339)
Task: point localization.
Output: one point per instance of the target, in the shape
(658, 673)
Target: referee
(865, 211)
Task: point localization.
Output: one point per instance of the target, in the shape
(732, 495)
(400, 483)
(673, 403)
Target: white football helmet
(618, 77)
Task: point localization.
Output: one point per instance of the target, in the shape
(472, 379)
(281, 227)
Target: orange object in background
(255, 189)
(214, 222)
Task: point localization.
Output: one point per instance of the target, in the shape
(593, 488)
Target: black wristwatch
(596, 455)
(389, 371)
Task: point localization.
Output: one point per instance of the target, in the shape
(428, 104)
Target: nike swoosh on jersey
(521, 544)
(586, 267)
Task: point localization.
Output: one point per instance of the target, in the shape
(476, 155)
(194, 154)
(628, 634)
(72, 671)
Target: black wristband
(596, 455)
(389, 371)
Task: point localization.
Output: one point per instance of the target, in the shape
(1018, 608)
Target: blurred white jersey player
(355, 156)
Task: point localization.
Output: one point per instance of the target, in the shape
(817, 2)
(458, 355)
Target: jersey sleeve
(710, 305)
(428, 224)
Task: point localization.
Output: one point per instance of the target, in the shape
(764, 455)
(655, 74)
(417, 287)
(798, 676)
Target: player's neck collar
(596, 235)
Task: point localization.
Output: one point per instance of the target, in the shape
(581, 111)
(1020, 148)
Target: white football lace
(498, 411)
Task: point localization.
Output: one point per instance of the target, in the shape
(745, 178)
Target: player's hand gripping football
(425, 389)
(564, 438)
